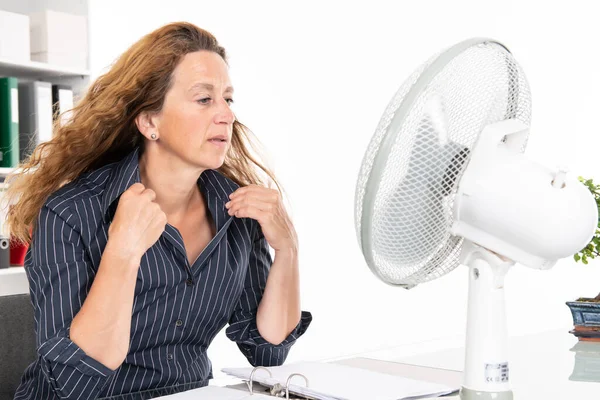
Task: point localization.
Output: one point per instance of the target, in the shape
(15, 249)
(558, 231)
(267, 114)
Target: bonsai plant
(592, 250)
(586, 311)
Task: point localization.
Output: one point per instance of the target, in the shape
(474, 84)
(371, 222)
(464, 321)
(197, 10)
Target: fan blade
(417, 204)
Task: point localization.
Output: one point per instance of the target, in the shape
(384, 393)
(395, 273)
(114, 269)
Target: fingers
(252, 212)
(150, 194)
(258, 203)
(256, 191)
(136, 188)
(159, 220)
(150, 210)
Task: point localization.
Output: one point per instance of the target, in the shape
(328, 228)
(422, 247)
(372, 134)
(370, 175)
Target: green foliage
(591, 251)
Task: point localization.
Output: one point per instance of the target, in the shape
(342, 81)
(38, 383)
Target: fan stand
(486, 373)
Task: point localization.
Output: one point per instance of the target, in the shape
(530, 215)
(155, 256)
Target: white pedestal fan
(445, 182)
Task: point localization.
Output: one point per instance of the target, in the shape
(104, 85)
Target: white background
(312, 80)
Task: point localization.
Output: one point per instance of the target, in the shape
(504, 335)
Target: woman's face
(197, 109)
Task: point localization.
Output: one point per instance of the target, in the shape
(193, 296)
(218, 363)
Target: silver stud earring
(153, 136)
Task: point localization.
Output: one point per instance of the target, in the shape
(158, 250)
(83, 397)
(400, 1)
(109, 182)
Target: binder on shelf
(9, 122)
(17, 253)
(35, 116)
(4, 233)
(62, 100)
(4, 252)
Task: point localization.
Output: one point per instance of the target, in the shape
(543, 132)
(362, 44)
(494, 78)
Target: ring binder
(249, 383)
(277, 390)
(287, 384)
(329, 380)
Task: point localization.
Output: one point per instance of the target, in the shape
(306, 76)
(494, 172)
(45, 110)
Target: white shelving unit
(13, 280)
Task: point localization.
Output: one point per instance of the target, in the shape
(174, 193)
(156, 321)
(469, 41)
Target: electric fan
(444, 182)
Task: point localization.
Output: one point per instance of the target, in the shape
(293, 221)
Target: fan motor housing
(508, 204)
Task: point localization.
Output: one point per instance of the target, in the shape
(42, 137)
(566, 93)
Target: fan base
(468, 394)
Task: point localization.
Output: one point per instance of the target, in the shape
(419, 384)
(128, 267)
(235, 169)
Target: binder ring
(249, 383)
(287, 384)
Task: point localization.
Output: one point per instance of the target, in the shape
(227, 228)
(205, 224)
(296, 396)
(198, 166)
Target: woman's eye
(206, 100)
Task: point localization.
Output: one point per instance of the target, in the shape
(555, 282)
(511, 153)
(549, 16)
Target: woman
(151, 231)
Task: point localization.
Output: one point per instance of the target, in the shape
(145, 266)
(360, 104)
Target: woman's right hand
(138, 222)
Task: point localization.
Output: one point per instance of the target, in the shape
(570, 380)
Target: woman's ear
(146, 124)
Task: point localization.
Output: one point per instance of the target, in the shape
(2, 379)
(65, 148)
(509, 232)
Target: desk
(452, 378)
(547, 366)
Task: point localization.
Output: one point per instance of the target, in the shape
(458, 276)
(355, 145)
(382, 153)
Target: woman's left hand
(265, 206)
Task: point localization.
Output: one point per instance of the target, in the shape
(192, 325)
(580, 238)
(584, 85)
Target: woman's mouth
(218, 142)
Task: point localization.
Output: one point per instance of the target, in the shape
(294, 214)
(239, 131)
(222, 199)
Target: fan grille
(410, 241)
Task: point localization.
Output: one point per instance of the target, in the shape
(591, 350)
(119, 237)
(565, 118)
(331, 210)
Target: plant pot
(586, 319)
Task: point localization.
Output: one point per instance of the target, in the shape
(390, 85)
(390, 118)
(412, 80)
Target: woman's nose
(225, 114)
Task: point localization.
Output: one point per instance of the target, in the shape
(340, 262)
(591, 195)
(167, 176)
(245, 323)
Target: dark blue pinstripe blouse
(178, 308)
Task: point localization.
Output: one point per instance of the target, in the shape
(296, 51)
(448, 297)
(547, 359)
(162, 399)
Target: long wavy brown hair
(101, 128)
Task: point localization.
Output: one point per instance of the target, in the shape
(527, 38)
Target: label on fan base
(496, 373)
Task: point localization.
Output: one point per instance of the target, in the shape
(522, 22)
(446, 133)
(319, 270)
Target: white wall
(312, 80)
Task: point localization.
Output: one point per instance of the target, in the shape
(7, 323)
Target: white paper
(65, 99)
(14, 105)
(215, 393)
(44, 113)
(340, 382)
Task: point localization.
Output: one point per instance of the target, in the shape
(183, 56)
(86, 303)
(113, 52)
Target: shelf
(5, 171)
(13, 281)
(13, 270)
(38, 70)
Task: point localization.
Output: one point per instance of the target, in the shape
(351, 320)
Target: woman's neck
(173, 181)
